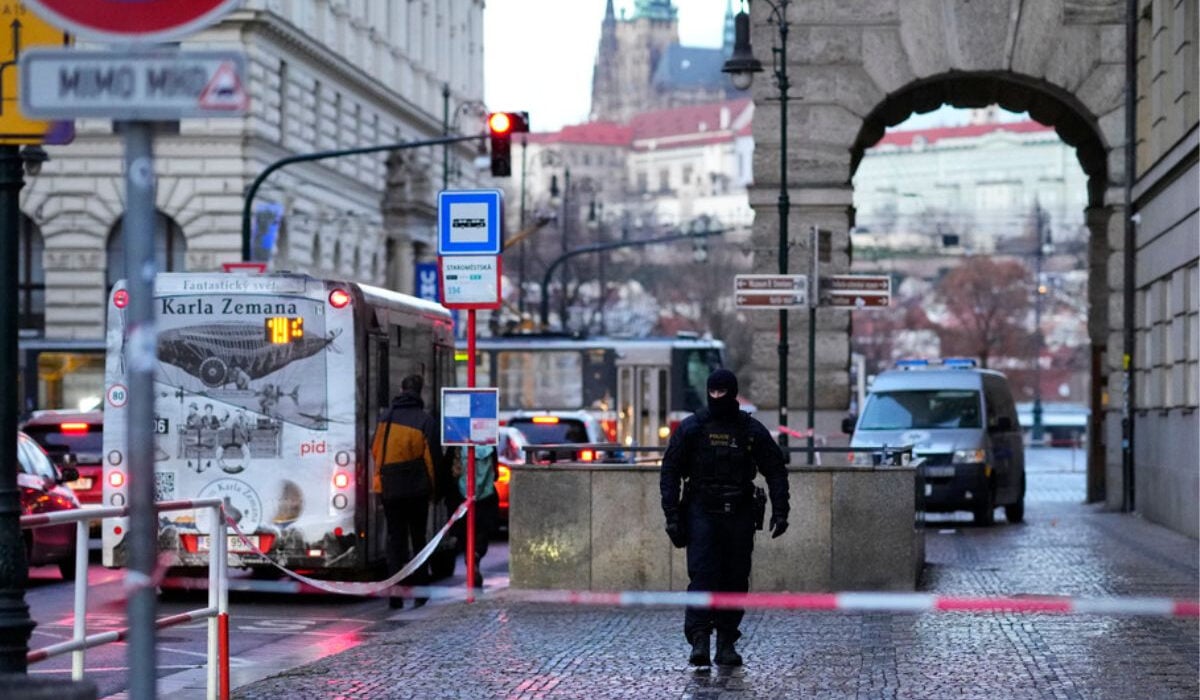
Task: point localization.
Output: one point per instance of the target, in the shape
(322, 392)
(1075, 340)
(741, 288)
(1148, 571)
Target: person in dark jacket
(716, 454)
(407, 453)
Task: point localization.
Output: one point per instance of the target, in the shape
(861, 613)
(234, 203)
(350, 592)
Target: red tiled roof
(659, 124)
(931, 136)
(680, 121)
(593, 133)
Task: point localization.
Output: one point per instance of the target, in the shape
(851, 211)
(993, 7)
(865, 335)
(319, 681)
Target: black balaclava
(727, 405)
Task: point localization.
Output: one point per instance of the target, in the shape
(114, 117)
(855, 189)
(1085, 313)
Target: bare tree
(989, 301)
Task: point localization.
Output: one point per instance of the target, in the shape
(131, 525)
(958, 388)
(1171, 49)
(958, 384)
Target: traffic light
(501, 127)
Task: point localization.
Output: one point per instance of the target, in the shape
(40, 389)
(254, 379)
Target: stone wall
(601, 528)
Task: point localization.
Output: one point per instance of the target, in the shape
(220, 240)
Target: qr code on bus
(164, 486)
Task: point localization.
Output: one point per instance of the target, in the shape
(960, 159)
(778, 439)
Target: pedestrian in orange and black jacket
(407, 454)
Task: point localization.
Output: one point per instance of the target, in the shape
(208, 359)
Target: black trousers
(718, 559)
(406, 524)
(487, 519)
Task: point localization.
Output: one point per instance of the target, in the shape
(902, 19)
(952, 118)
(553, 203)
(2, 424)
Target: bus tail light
(339, 298)
(587, 456)
(120, 298)
(341, 480)
(116, 479)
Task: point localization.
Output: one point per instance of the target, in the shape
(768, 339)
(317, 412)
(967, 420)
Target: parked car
(962, 422)
(560, 428)
(510, 450)
(73, 439)
(40, 483)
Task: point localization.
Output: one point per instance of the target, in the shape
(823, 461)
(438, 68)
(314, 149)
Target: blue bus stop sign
(469, 222)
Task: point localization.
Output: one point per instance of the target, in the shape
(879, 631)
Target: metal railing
(217, 611)
(613, 453)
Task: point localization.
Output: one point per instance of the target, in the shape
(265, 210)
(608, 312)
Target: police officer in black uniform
(716, 453)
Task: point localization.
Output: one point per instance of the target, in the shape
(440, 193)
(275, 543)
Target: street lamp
(450, 123)
(741, 67)
(1044, 246)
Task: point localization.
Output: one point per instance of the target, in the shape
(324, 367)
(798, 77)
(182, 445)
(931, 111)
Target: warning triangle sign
(224, 90)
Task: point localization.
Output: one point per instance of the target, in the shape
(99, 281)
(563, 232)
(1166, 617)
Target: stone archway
(860, 66)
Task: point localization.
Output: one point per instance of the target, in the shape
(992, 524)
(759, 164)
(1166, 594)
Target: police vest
(723, 456)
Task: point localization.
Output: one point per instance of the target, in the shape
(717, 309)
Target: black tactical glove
(676, 532)
(779, 525)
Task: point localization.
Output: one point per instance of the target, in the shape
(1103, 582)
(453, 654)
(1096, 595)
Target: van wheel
(1015, 512)
(985, 512)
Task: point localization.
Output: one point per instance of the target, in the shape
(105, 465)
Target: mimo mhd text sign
(470, 416)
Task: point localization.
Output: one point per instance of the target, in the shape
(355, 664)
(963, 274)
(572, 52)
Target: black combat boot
(700, 651)
(726, 654)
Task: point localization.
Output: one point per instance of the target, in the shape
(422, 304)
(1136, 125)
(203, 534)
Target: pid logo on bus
(118, 395)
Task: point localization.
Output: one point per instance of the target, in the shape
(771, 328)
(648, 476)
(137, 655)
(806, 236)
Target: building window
(31, 278)
(170, 248)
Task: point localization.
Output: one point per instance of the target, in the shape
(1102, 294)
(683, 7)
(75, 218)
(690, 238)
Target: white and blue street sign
(469, 222)
(427, 281)
(470, 416)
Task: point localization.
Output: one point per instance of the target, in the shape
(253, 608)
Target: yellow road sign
(21, 29)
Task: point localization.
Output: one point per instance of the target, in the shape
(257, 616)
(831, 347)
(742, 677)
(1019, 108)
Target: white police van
(962, 422)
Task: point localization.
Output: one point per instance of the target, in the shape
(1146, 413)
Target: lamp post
(741, 67)
(450, 123)
(1037, 433)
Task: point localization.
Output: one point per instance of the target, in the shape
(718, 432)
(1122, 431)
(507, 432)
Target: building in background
(321, 76)
(641, 66)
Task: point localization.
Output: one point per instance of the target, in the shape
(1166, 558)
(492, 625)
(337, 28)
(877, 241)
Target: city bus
(267, 392)
(639, 388)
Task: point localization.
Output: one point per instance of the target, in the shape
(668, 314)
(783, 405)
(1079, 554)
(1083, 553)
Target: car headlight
(862, 459)
(970, 456)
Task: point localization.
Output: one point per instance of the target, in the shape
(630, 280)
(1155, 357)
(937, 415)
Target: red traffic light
(501, 127)
(500, 123)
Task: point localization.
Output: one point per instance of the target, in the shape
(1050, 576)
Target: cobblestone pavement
(494, 648)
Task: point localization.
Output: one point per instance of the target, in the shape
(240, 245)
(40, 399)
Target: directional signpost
(856, 291)
(135, 88)
(770, 291)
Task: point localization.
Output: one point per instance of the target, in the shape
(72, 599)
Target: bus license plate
(233, 543)
(939, 472)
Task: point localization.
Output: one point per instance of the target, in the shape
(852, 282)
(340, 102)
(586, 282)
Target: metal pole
(1037, 432)
(470, 449)
(446, 132)
(15, 623)
(781, 79)
(566, 231)
(140, 349)
(1129, 255)
(521, 252)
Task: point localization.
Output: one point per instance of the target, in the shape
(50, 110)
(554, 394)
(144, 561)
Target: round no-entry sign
(132, 20)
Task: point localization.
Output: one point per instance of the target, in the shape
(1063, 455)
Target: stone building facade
(322, 75)
(860, 66)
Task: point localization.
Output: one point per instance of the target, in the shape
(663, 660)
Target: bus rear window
(539, 380)
(557, 433)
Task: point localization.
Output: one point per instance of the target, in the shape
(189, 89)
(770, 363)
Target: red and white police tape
(854, 602)
(355, 587)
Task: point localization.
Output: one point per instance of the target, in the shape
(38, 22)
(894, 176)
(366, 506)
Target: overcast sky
(538, 54)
